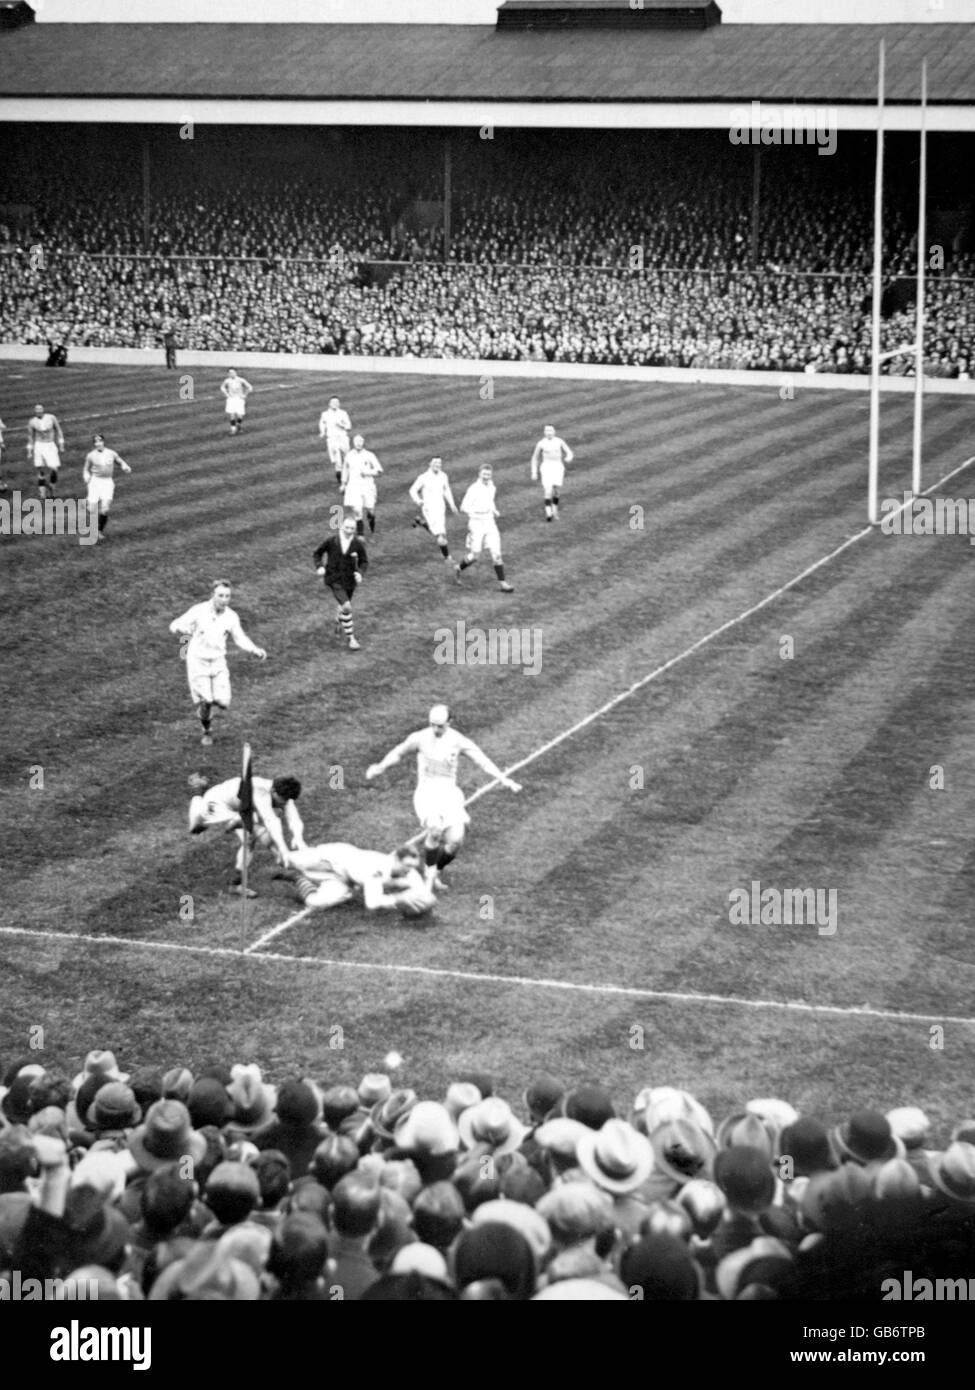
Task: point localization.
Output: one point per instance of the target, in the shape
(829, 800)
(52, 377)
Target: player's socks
(305, 887)
(102, 521)
(372, 521)
(445, 857)
(548, 511)
(499, 571)
(360, 527)
(345, 620)
(445, 551)
(465, 564)
(555, 504)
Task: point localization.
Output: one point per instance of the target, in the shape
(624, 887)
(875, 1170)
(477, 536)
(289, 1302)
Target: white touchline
(472, 976)
(272, 932)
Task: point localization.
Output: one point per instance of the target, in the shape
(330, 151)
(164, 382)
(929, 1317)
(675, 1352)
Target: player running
(208, 625)
(550, 456)
(341, 561)
(482, 528)
(99, 476)
(236, 390)
(327, 875)
(438, 800)
(359, 473)
(431, 493)
(334, 426)
(45, 440)
(219, 808)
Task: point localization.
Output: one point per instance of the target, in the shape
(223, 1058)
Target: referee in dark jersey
(341, 561)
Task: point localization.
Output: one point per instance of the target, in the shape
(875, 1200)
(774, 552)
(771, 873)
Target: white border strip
(344, 364)
(550, 114)
(524, 981)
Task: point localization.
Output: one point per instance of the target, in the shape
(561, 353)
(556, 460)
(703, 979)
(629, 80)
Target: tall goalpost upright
(876, 356)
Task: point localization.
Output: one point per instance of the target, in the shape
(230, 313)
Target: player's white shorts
(207, 811)
(439, 805)
(337, 446)
(209, 681)
(46, 455)
(361, 496)
(100, 492)
(482, 533)
(436, 519)
(236, 405)
(551, 473)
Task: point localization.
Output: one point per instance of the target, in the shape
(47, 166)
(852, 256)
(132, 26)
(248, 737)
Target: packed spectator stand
(172, 1184)
(560, 257)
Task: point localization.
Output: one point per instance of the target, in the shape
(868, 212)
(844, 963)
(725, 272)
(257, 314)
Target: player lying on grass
(218, 807)
(329, 874)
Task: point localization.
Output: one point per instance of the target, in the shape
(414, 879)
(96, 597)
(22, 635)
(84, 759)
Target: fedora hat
(661, 1104)
(253, 1100)
(102, 1064)
(426, 1128)
(166, 1137)
(387, 1113)
(491, 1122)
(953, 1172)
(114, 1107)
(746, 1130)
(682, 1150)
(616, 1157)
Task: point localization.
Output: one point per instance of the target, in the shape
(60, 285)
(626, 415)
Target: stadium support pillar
(146, 196)
(447, 176)
(756, 200)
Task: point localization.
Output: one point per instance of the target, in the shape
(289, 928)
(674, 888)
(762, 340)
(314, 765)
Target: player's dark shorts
(339, 594)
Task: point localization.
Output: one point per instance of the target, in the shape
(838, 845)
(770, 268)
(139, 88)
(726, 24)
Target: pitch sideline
(523, 981)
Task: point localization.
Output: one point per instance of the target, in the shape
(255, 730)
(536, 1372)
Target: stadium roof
(339, 64)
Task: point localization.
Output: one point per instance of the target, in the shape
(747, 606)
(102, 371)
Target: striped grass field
(587, 929)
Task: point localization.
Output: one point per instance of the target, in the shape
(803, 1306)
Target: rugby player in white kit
(438, 800)
(98, 475)
(549, 458)
(482, 526)
(431, 493)
(334, 426)
(359, 473)
(208, 625)
(236, 390)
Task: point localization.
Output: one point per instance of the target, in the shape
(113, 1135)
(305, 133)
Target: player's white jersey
(361, 464)
(335, 425)
(432, 489)
(43, 428)
(100, 463)
(554, 450)
(236, 388)
(479, 500)
(437, 756)
(356, 866)
(208, 631)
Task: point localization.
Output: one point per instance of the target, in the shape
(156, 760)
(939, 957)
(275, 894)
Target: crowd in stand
(170, 1185)
(563, 261)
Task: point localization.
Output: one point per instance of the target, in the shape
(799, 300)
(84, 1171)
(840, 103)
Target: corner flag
(246, 793)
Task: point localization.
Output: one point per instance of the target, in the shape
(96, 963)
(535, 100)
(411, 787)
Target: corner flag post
(246, 798)
(919, 305)
(878, 251)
